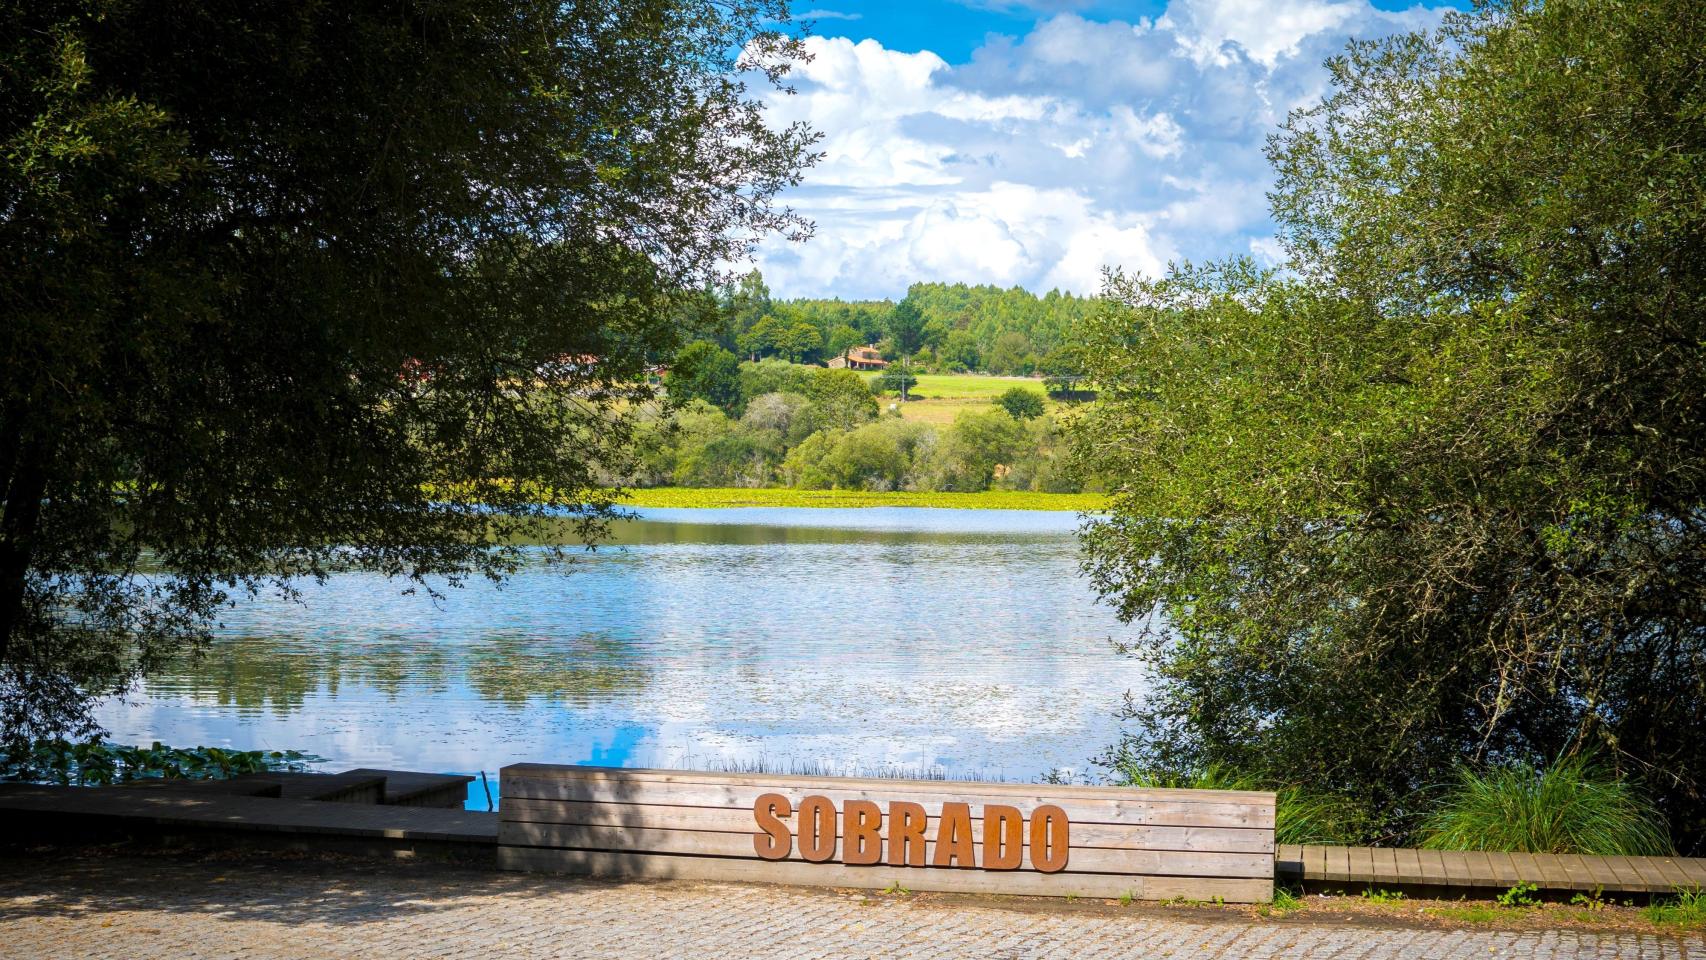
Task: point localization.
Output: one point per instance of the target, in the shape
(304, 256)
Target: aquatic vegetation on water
(95, 762)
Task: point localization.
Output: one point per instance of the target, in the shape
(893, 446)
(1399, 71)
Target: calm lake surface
(864, 638)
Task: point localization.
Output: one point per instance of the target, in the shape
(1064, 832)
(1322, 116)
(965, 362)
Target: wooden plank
(1670, 872)
(1409, 865)
(1627, 876)
(811, 784)
(1502, 869)
(1479, 871)
(1457, 873)
(1336, 865)
(1085, 860)
(1361, 865)
(1119, 836)
(1650, 873)
(1550, 872)
(1581, 877)
(1314, 862)
(1098, 810)
(1433, 868)
(1384, 864)
(257, 814)
(1525, 869)
(1694, 870)
(667, 866)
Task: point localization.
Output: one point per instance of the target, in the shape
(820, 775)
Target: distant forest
(980, 329)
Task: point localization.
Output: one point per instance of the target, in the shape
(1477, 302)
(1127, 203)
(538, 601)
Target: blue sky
(1033, 143)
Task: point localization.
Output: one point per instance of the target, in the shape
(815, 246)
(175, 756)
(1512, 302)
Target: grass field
(782, 497)
(939, 412)
(940, 397)
(966, 386)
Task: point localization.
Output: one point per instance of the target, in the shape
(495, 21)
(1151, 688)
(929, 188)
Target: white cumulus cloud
(1080, 145)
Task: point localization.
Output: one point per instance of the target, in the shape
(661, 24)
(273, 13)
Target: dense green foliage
(946, 327)
(772, 422)
(827, 443)
(707, 372)
(97, 763)
(1572, 806)
(1438, 494)
(304, 285)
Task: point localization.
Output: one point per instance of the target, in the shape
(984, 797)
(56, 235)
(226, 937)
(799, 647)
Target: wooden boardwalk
(47, 814)
(1462, 872)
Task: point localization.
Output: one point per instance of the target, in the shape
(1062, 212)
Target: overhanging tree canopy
(1440, 493)
(291, 285)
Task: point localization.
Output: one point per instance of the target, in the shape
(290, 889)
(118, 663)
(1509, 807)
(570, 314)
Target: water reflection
(578, 672)
(962, 639)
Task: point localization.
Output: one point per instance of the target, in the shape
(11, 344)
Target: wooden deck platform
(42, 814)
(1474, 873)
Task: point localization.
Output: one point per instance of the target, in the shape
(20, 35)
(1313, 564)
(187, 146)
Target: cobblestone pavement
(144, 907)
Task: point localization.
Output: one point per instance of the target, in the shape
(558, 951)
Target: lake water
(844, 639)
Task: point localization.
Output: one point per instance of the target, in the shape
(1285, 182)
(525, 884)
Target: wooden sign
(1025, 839)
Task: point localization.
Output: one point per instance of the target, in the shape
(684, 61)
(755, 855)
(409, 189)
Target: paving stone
(140, 908)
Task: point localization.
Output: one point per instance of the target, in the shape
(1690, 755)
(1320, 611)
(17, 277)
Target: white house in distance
(859, 358)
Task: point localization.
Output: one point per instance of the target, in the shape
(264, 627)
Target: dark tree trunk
(25, 484)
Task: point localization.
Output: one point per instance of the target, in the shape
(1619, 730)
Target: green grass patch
(944, 386)
(783, 497)
(1469, 913)
(1687, 910)
(1573, 806)
(1284, 902)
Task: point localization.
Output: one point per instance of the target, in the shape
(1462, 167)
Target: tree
(960, 350)
(895, 378)
(747, 301)
(339, 285)
(759, 340)
(1435, 495)
(1021, 404)
(978, 444)
(705, 371)
(798, 341)
(771, 375)
(842, 338)
(842, 400)
(1063, 374)
(906, 335)
(1011, 354)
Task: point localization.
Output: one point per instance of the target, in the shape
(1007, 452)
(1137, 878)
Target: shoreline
(722, 497)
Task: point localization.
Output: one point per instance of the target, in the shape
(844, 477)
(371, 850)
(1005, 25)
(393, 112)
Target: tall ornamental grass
(1572, 806)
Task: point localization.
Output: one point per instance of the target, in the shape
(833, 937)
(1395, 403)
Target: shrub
(1021, 404)
(788, 415)
(1573, 806)
(771, 375)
